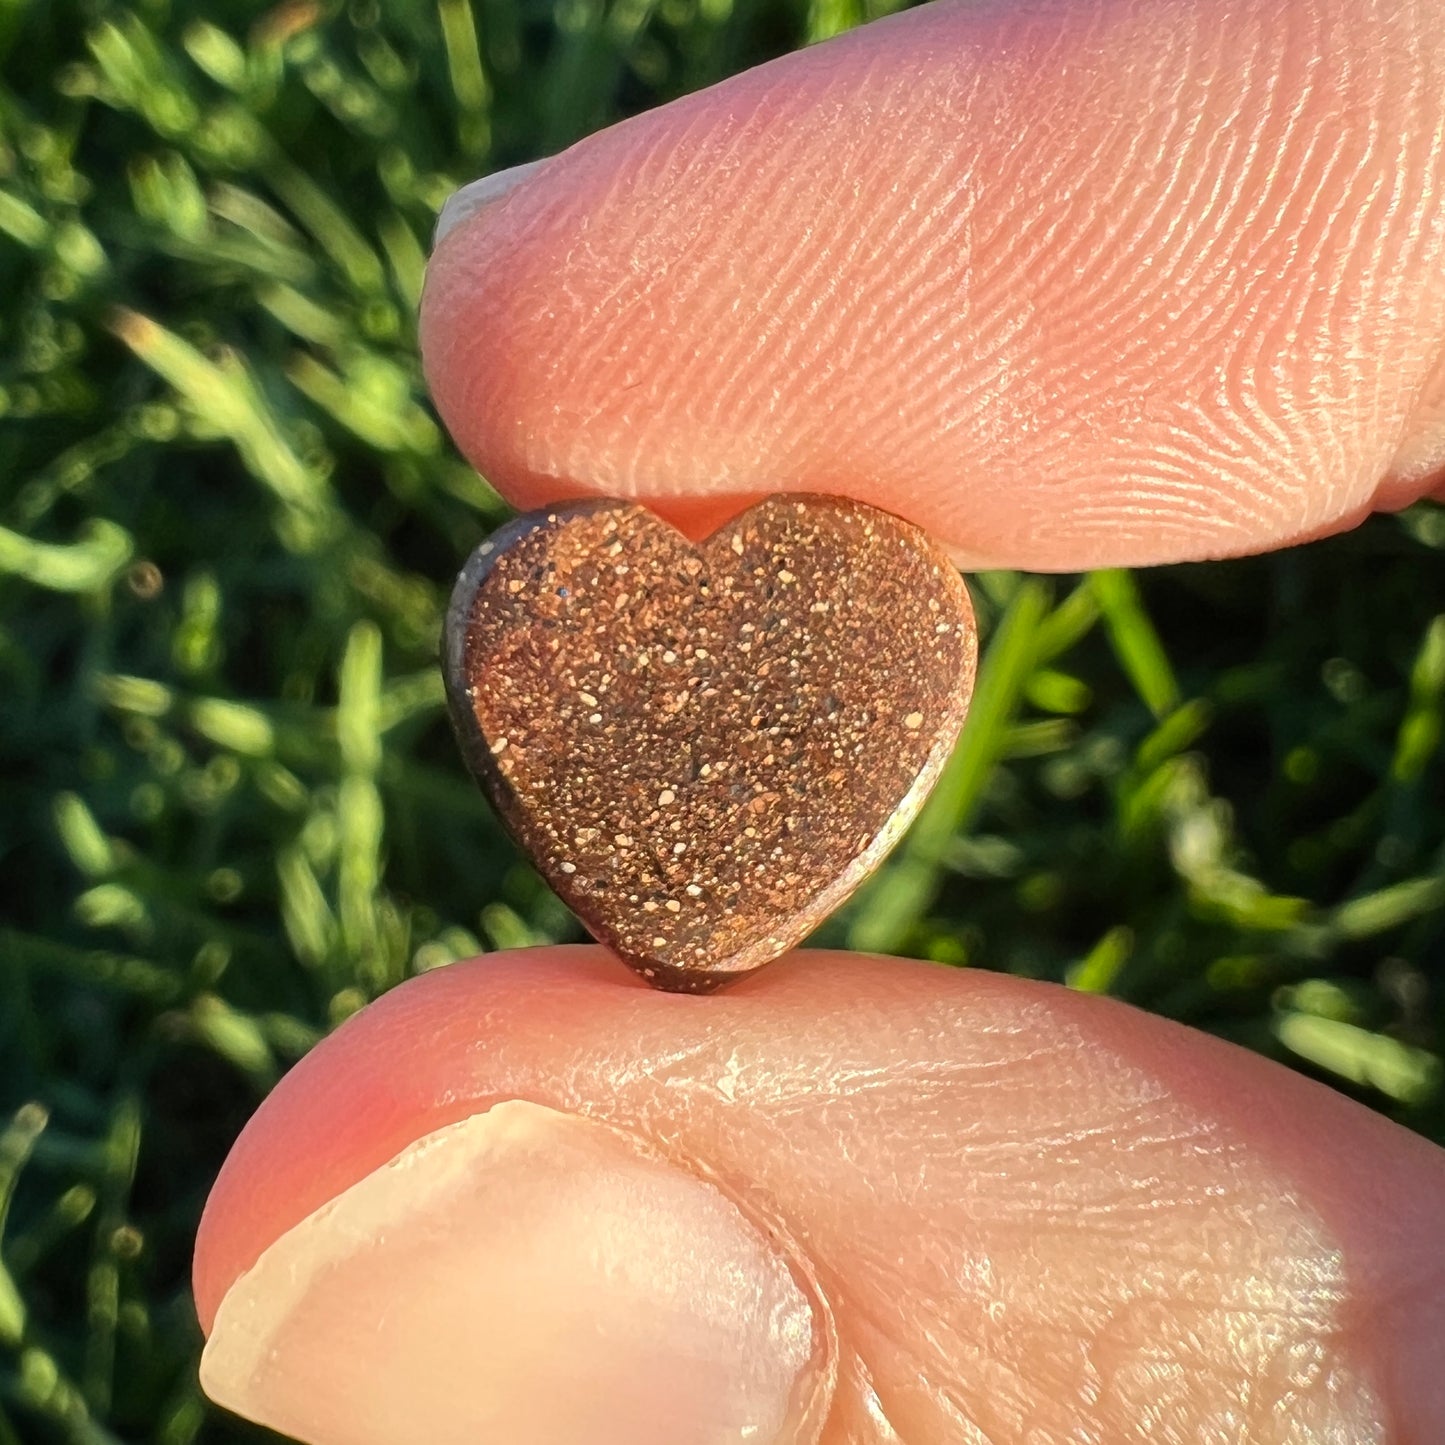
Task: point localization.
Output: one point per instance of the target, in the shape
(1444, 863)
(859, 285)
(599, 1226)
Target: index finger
(1081, 283)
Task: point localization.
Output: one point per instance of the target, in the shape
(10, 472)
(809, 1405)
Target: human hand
(1070, 285)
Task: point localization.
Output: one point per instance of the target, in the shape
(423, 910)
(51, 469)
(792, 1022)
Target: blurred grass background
(228, 524)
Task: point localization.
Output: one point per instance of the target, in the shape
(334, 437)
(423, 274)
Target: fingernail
(524, 1275)
(470, 199)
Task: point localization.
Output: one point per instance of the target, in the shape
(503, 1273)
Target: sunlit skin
(1067, 285)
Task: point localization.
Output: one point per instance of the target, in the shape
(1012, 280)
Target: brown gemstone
(705, 749)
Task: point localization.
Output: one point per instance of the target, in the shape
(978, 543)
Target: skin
(1067, 285)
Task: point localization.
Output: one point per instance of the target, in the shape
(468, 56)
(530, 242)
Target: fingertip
(388, 1075)
(994, 1180)
(970, 265)
(523, 1275)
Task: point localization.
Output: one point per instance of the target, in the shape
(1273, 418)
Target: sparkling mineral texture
(706, 748)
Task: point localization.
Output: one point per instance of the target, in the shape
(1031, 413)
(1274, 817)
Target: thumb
(848, 1201)
(1066, 284)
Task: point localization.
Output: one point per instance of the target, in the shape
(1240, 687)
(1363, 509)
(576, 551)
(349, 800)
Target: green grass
(228, 522)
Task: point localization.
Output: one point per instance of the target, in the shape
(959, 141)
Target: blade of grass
(1135, 641)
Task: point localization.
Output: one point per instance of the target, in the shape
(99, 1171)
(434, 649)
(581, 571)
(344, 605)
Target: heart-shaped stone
(705, 749)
